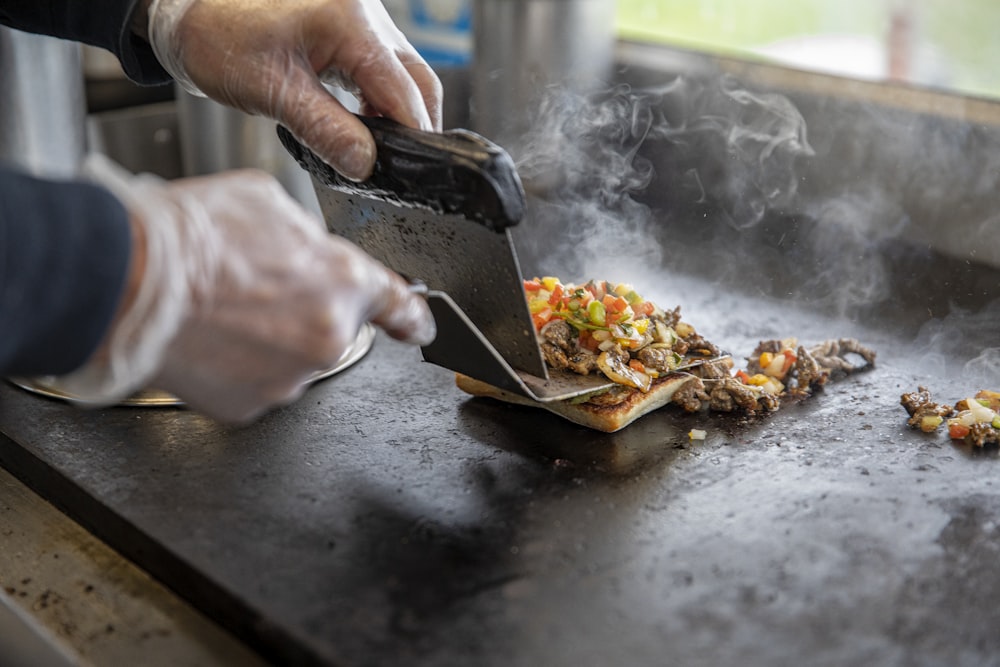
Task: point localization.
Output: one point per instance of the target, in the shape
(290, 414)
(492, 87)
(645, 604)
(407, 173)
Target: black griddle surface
(388, 519)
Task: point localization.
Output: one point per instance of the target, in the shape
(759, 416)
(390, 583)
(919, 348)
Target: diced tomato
(743, 376)
(790, 359)
(557, 294)
(957, 431)
(643, 308)
(541, 318)
(614, 303)
(588, 342)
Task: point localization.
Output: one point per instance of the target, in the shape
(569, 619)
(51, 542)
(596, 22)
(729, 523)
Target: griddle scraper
(439, 208)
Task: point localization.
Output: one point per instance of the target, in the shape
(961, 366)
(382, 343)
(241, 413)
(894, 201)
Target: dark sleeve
(64, 254)
(104, 23)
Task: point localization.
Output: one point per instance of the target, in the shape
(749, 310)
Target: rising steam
(590, 159)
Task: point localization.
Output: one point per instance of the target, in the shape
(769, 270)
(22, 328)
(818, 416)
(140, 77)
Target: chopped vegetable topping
(613, 322)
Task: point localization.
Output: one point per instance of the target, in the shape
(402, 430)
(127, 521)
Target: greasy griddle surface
(388, 519)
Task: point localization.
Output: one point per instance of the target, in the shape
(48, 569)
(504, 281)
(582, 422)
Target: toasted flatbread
(607, 418)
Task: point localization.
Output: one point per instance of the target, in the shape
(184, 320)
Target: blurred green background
(955, 42)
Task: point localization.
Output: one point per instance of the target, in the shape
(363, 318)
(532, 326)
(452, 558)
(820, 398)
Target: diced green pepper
(597, 313)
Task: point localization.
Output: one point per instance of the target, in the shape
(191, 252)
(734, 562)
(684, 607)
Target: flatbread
(607, 418)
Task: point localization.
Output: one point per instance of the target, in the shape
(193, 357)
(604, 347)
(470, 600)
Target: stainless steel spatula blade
(437, 209)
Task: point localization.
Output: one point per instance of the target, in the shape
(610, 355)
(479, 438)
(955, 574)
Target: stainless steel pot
(43, 117)
(521, 47)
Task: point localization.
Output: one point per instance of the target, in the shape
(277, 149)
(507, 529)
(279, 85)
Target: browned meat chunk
(691, 397)
(729, 394)
(918, 405)
(696, 344)
(713, 370)
(982, 434)
(831, 354)
(560, 334)
(808, 372)
(554, 356)
(670, 317)
(559, 344)
(582, 362)
(660, 359)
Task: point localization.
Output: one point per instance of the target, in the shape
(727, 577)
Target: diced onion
(697, 434)
(980, 413)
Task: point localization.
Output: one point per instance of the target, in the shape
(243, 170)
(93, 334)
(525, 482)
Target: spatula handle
(457, 171)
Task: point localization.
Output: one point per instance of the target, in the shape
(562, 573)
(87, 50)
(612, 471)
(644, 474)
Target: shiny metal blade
(475, 266)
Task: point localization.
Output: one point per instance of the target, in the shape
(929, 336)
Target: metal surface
(474, 265)
(214, 138)
(386, 522)
(78, 602)
(43, 117)
(155, 398)
(524, 48)
(461, 347)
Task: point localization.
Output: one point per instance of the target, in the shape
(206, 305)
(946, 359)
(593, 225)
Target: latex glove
(242, 296)
(267, 57)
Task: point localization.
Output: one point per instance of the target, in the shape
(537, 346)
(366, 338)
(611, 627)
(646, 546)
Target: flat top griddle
(378, 522)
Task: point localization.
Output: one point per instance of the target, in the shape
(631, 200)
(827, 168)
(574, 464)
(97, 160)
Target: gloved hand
(242, 295)
(267, 58)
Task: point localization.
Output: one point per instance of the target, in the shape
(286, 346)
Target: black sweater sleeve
(104, 23)
(64, 254)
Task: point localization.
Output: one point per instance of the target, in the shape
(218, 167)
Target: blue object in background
(441, 30)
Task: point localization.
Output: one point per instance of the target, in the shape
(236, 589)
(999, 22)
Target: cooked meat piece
(713, 370)
(583, 362)
(919, 403)
(808, 372)
(729, 394)
(769, 402)
(696, 344)
(559, 348)
(669, 317)
(554, 355)
(982, 434)
(691, 397)
(561, 334)
(660, 359)
(831, 354)
(914, 399)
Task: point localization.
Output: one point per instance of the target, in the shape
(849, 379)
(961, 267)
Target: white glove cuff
(138, 343)
(164, 18)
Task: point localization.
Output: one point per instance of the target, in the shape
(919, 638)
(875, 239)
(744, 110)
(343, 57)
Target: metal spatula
(438, 209)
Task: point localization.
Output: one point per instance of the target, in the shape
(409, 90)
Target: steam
(943, 343)
(590, 158)
(845, 218)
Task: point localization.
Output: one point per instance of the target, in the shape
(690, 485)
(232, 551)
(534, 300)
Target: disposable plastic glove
(242, 297)
(267, 58)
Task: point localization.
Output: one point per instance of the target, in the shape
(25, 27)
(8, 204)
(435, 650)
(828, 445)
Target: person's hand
(268, 58)
(240, 296)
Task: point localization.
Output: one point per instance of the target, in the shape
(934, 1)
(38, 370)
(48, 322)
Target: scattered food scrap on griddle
(608, 328)
(778, 369)
(974, 421)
